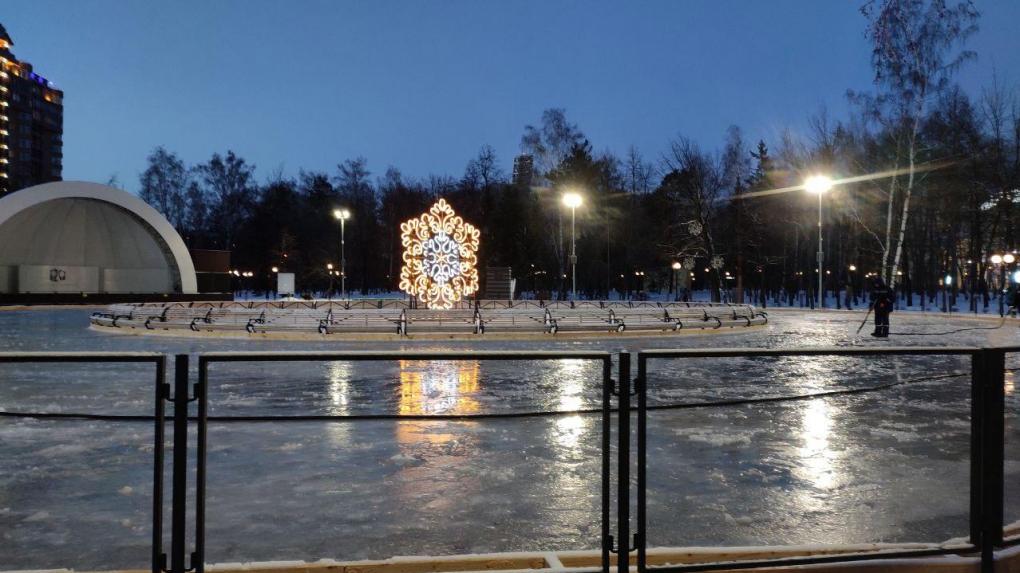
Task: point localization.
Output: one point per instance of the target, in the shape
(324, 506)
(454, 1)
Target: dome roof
(80, 232)
(93, 237)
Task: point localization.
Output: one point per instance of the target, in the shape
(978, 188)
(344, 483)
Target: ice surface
(885, 466)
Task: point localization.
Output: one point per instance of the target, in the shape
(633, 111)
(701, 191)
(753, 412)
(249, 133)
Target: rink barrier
(161, 397)
(201, 395)
(986, 530)
(987, 452)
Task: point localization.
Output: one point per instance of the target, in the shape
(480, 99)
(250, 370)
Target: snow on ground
(884, 466)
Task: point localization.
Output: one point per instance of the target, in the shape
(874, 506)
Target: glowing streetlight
(342, 215)
(573, 200)
(819, 184)
(276, 269)
(676, 279)
(996, 259)
(1008, 258)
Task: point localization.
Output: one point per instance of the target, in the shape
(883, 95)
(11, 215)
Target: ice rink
(890, 465)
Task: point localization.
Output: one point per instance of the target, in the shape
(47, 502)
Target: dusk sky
(423, 85)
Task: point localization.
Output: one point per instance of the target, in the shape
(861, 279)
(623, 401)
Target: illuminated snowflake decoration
(688, 263)
(440, 257)
(694, 228)
(717, 262)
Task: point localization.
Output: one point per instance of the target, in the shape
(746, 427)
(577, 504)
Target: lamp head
(1008, 258)
(677, 266)
(572, 200)
(341, 214)
(817, 184)
(996, 259)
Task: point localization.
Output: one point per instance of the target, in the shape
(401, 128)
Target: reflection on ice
(441, 387)
(568, 432)
(570, 381)
(339, 387)
(816, 454)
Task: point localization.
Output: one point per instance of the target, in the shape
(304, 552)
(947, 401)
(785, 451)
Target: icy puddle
(890, 465)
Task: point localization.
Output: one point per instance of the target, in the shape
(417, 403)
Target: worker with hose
(882, 303)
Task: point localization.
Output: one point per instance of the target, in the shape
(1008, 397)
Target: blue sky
(422, 85)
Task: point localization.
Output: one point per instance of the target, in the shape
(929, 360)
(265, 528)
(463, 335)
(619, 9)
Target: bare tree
(912, 55)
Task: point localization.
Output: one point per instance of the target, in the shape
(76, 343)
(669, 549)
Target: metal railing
(161, 396)
(986, 452)
(201, 391)
(987, 448)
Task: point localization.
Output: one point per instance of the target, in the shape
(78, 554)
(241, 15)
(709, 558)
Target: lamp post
(573, 200)
(1002, 261)
(329, 271)
(342, 215)
(819, 184)
(676, 279)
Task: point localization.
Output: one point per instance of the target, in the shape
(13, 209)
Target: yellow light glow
(996, 259)
(817, 184)
(1008, 258)
(341, 214)
(440, 257)
(572, 200)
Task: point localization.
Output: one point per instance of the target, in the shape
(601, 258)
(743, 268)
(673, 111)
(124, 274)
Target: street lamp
(819, 185)
(676, 279)
(329, 271)
(573, 200)
(1002, 261)
(342, 215)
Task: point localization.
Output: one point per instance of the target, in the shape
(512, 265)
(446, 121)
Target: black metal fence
(987, 448)
(161, 392)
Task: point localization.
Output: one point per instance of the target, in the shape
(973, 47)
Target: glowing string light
(440, 257)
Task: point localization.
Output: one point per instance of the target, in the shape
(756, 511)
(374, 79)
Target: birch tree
(915, 52)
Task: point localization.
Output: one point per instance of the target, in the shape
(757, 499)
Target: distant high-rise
(31, 124)
(524, 170)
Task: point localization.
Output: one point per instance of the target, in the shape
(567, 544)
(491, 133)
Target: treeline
(927, 179)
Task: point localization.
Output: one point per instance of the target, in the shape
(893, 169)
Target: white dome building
(76, 237)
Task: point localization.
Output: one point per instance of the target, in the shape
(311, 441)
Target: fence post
(640, 390)
(607, 425)
(178, 518)
(623, 466)
(987, 452)
(202, 395)
(159, 437)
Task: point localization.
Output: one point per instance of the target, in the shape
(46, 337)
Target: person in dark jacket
(882, 303)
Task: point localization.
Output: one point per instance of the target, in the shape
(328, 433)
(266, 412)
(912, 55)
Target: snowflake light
(440, 257)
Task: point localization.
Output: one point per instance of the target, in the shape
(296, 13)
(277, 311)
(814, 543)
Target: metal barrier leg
(202, 395)
(642, 422)
(162, 394)
(987, 453)
(607, 407)
(623, 471)
(178, 541)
